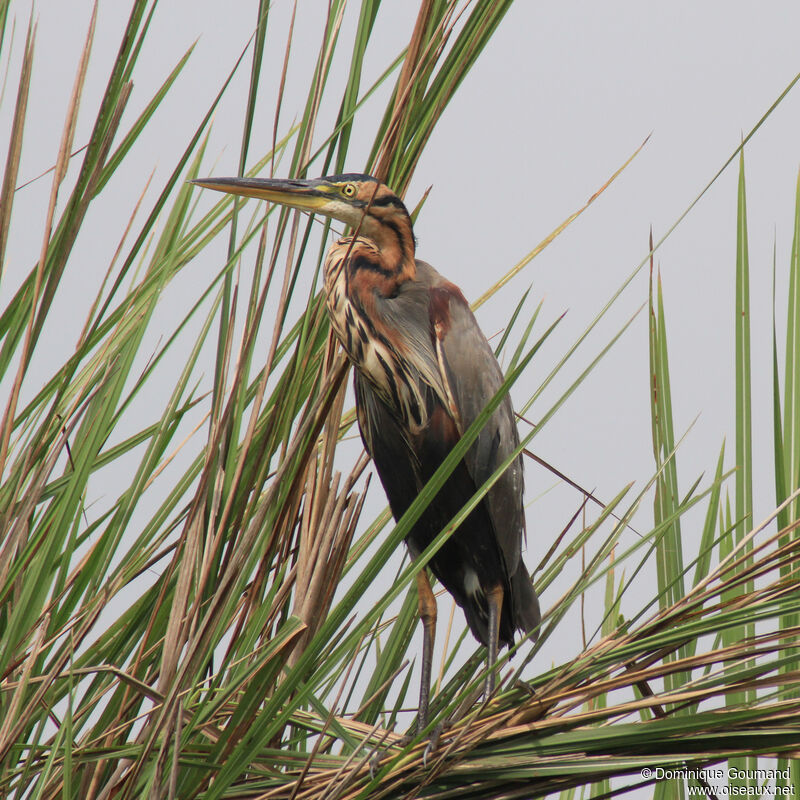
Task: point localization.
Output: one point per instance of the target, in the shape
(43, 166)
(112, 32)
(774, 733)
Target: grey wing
(473, 377)
(452, 356)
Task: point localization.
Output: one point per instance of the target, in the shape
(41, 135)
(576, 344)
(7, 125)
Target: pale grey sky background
(561, 97)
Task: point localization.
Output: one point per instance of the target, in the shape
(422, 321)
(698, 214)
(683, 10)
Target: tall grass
(204, 633)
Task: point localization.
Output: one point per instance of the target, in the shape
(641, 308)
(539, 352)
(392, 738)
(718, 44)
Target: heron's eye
(349, 190)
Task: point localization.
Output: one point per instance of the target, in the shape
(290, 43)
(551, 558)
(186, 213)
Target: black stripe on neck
(388, 200)
(362, 261)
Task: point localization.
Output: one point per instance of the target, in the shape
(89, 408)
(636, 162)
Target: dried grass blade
(15, 144)
(60, 171)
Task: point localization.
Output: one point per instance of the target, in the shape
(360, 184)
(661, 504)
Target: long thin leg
(494, 598)
(427, 613)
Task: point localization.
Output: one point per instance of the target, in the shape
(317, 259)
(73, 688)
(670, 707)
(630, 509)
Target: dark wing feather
(438, 334)
(473, 377)
(405, 463)
(388, 446)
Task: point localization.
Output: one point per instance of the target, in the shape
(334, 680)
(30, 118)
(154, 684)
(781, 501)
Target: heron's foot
(433, 741)
(382, 754)
(525, 688)
(375, 762)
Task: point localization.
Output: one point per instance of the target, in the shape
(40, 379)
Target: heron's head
(361, 201)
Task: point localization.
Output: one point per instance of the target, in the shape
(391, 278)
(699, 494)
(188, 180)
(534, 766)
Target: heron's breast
(372, 353)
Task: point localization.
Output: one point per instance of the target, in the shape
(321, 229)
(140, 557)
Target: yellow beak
(303, 195)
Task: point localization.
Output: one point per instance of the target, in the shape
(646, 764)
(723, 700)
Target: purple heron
(423, 372)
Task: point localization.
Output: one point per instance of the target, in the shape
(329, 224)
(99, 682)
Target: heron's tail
(526, 603)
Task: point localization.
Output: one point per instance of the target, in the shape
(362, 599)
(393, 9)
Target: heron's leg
(494, 598)
(427, 613)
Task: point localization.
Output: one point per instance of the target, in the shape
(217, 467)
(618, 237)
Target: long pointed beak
(303, 195)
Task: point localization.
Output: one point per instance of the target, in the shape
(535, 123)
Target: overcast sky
(562, 96)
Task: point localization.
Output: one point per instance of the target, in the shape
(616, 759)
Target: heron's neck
(393, 241)
(384, 242)
(371, 266)
(357, 276)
